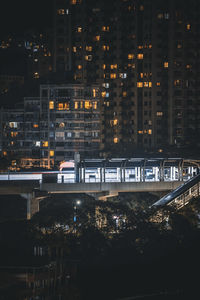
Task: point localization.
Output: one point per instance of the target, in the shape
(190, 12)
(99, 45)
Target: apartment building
(145, 55)
(48, 129)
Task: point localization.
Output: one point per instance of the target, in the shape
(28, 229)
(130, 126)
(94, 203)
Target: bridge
(101, 178)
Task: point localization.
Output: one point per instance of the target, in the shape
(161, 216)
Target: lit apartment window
(124, 94)
(95, 105)
(105, 28)
(146, 84)
(150, 131)
(88, 57)
(115, 140)
(73, 2)
(36, 75)
(61, 125)
(35, 125)
(76, 104)
(103, 94)
(51, 104)
(150, 84)
(103, 66)
(140, 131)
(188, 66)
(166, 64)
(79, 67)
(159, 114)
(63, 106)
(131, 56)
(177, 82)
(141, 75)
(139, 84)
(45, 144)
(51, 153)
(87, 104)
(88, 48)
(13, 124)
(61, 11)
(188, 26)
(113, 76)
(4, 153)
(158, 83)
(105, 48)
(179, 46)
(97, 38)
(79, 29)
(13, 133)
(123, 75)
(74, 49)
(140, 47)
(106, 85)
(141, 7)
(115, 122)
(113, 66)
(150, 46)
(140, 56)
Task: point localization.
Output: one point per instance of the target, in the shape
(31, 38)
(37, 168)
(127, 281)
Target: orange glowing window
(35, 126)
(51, 153)
(115, 140)
(140, 56)
(51, 104)
(139, 84)
(166, 64)
(45, 144)
(131, 56)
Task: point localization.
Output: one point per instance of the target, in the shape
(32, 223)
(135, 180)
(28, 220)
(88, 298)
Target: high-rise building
(46, 130)
(145, 56)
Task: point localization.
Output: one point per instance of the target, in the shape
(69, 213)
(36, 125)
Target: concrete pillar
(32, 204)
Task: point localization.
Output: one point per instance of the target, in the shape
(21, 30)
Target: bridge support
(32, 204)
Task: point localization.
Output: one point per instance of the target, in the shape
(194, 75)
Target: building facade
(145, 55)
(65, 119)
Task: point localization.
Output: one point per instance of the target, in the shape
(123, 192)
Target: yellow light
(45, 144)
(115, 140)
(166, 64)
(51, 104)
(51, 153)
(140, 56)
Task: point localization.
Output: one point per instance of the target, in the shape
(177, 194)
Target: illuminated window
(139, 84)
(62, 125)
(166, 64)
(4, 153)
(105, 47)
(79, 67)
(140, 56)
(140, 47)
(146, 84)
(150, 46)
(158, 83)
(45, 144)
(177, 82)
(188, 66)
(35, 126)
(88, 48)
(13, 134)
(63, 106)
(103, 94)
(97, 38)
(123, 75)
(76, 104)
(115, 140)
(105, 28)
(150, 131)
(74, 49)
(103, 66)
(79, 29)
(124, 94)
(51, 153)
(95, 105)
(141, 75)
(188, 26)
(140, 131)
(73, 2)
(150, 84)
(88, 104)
(141, 7)
(113, 66)
(61, 11)
(13, 124)
(106, 85)
(88, 57)
(131, 56)
(36, 75)
(179, 46)
(51, 104)
(113, 76)
(159, 114)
